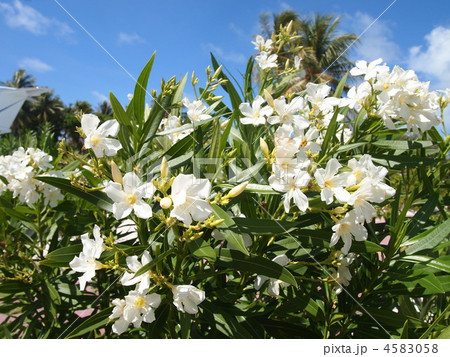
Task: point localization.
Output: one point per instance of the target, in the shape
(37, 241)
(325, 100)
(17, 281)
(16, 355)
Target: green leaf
(428, 239)
(119, 112)
(403, 144)
(420, 218)
(264, 226)
(330, 134)
(340, 86)
(99, 199)
(178, 96)
(445, 333)
(91, 323)
(201, 249)
(226, 228)
(254, 264)
(10, 211)
(155, 261)
(61, 257)
(432, 284)
(442, 264)
(140, 90)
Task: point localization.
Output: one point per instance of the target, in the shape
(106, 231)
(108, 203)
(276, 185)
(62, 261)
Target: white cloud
(433, 59)
(375, 42)
(35, 65)
(221, 54)
(432, 62)
(22, 16)
(99, 96)
(130, 39)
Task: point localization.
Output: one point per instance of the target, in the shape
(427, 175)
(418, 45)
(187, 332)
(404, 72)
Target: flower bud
(165, 203)
(340, 210)
(264, 147)
(269, 98)
(217, 72)
(236, 191)
(116, 175)
(164, 168)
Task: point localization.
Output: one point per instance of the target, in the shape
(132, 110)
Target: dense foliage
(254, 215)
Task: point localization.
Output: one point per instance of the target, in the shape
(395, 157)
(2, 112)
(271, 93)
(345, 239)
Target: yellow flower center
(140, 303)
(344, 228)
(96, 140)
(131, 199)
(329, 183)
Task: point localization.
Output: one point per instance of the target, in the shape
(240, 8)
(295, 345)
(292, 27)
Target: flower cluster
(401, 99)
(19, 170)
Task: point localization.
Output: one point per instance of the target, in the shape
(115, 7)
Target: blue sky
(39, 36)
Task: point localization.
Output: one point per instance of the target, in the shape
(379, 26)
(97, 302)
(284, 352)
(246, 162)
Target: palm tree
(20, 80)
(324, 52)
(104, 110)
(48, 109)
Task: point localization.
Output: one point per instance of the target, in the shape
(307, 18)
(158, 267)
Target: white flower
(370, 70)
(188, 196)
(40, 158)
(129, 196)
(136, 307)
(143, 280)
(187, 297)
(359, 199)
(356, 96)
(261, 44)
(343, 276)
(173, 122)
(288, 113)
(265, 61)
(87, 261)
(346, 229)
(331, 183)
(120, 325)
(254, 114)
(274, 284)
(97, 136)
(292, 185)
(196, 110)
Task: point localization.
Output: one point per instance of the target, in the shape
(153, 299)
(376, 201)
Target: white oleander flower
(346, 229)
(87, 262)
(254, 114)
(356, 96)
(343, 276)
(120, 325)
(97, 136)
(274, 284)
(129, 196)
(289, 113)
(292, 185)
(134, 309)
(196, 110)
(261, 44)
(369, 70)
(40, 158)
(187, 298)
(188, 197)
(143, 280)
(331, 183)
(265, 61)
